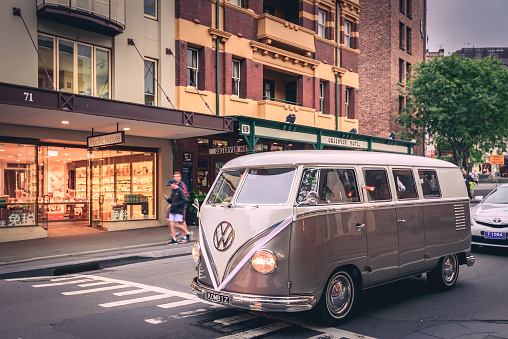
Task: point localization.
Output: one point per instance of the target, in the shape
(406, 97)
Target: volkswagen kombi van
(295, 230)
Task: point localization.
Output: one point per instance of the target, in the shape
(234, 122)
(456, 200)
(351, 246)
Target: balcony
(285, 35)
(106, 17)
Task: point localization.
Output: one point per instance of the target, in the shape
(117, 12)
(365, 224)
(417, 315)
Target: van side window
(309, 184)
(337, 186)
(376, 185)
(430, 184)
(405, 184)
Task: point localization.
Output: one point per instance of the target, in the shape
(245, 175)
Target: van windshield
(225, 187)
(267, 186)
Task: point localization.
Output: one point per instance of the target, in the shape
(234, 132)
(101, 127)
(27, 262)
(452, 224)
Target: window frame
(401, 6)
(322, 97)
(364, 170)
(402, 63)
(426, 196)
(155, 72)
(413, 182)
(321, 26)
(271, 83)
(408, 39)
(193, 69)
(401, 35)
(156, 10)
(409, 8)
(347, 101)
(348, 30)
(237, 79)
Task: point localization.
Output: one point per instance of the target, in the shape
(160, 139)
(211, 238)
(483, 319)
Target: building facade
(500, 53)
(392, 38)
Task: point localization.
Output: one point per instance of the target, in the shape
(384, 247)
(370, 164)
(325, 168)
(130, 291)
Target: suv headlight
(196, 251)
(264, 261)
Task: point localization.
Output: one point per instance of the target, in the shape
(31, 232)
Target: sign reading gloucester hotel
(106, 139)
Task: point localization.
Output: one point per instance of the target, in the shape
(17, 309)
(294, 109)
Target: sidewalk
(71, 254)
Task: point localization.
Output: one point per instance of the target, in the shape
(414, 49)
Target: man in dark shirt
(177, 202)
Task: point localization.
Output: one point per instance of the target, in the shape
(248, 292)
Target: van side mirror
(312, 198)
(478, 198)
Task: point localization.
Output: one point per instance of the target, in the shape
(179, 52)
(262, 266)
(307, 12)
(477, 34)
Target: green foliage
(195, 195)
(457, 101)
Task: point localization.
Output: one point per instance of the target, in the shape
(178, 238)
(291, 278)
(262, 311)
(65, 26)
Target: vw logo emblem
(223, 236)
(497, 220)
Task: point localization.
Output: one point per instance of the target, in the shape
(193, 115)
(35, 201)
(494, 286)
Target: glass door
(102, 187)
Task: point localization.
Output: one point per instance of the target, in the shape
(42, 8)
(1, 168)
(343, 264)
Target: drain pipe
(217, 44)
(336, 64)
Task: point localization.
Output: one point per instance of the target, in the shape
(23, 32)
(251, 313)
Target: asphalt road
(153, 300)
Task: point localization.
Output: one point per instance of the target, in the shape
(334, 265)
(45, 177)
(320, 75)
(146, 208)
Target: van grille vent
(460, 217)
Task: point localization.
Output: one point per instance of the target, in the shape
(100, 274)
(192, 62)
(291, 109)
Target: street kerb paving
(72, 254)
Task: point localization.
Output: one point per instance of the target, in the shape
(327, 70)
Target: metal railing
(283, 101)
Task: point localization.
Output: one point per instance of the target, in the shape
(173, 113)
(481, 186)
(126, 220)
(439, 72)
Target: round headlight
(264, 261)
(195, 251)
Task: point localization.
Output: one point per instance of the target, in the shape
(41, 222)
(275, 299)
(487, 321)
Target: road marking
(98, 289)
(137, 300)
(257, 331)
(120, 294)
(235, 319)
(62, 283)
(95, 284)
(178, 303)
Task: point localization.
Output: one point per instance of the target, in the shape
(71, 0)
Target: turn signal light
(195, 252)
(264, 261)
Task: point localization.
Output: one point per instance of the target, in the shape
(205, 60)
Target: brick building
(392, 38)
(500, 53)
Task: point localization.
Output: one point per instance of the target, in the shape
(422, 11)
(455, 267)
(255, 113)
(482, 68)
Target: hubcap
(449, 268)
(340, 294)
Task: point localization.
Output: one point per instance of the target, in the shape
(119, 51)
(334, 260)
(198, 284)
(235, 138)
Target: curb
(94, 263)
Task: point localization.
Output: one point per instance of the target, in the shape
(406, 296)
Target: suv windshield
(267, 186)
(499, 196)
(225, 187)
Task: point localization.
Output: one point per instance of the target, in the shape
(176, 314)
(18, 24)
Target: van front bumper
(257, 302)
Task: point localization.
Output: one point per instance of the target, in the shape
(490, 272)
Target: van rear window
(430, 184)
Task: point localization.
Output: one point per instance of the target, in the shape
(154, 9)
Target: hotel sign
(230, 149)
(106, 139)
(343, 142)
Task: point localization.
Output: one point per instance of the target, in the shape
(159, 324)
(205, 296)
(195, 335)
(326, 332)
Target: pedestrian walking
(468, 180)
(175, 211)
(178, 177)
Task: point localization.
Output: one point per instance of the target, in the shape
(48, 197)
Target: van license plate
(216, 297)
(494, 235)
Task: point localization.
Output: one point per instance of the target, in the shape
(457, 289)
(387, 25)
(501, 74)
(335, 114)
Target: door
(291, 92)
(409, 222)
(102, 187)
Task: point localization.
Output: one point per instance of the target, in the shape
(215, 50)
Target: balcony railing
(280, 100)
(100, 16)
(280, 33)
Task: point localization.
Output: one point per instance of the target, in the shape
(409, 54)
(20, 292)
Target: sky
(454, 24)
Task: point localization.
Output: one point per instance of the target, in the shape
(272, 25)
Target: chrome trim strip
(331, 210)
(259, 302)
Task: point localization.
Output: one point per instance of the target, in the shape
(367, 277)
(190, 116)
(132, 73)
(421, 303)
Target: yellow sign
(497, 159)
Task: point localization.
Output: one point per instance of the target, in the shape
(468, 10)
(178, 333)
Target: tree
(457, 101)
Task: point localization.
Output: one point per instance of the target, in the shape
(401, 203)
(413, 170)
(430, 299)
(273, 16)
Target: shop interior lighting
(126, 129)
(65, 122)
(2, 147)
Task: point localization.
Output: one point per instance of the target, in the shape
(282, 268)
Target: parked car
(489, 219)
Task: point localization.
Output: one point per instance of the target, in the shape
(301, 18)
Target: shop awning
(29, 106)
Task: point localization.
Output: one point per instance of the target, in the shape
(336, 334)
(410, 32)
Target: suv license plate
(217, 297)
(494, 235)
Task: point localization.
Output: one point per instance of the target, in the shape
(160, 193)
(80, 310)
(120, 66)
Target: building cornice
(278, 53)
(217, 33)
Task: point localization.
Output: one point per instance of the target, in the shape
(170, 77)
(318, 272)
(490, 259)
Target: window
(150, 86)
(192, 68)
(225, 187)
(408, 71)
(401, 5)
(408, 40)
(376, 185)
(430, 184)
(322, 97)
(321, 23)
(268, 90)
(401, 35)
(150, 9)
(74, 67)
(236, 78)
(268, 9)
(401, 71)
(333, 186)
(405, 184)
(347, 33)
(236, 2)
(401, 104)
(408, 8)
(349, 101)
(266, 186)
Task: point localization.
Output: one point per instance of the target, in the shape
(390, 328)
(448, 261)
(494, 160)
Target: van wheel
(338, 299)
(445, 275)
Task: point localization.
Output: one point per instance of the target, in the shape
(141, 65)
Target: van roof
(333, 157)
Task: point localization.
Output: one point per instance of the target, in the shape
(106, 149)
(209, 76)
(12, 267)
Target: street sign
(497, 159)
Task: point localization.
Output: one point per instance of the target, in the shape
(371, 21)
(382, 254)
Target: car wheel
(338, 299)
(444, 276)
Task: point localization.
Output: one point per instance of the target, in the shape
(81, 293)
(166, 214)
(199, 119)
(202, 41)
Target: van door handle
(359, 226)
(401, 220)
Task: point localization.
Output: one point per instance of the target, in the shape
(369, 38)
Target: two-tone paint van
(295, 230)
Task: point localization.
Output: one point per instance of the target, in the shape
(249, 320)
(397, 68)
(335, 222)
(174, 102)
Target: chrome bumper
(258, 302)
(470, 261)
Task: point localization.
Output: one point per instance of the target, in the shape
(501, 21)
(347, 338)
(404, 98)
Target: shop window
(150, 7)
(82, 68)
(220, 143)
(203, 173)
(203, 143)
(192, 68)
(150, 84)
(18, 185)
